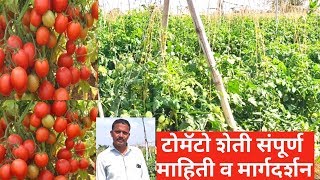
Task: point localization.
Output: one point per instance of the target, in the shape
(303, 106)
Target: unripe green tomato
(161, 119)
(148, 114)
(48, 19)
(48, 121)
(33, 171)
(32, 128)
(33, 28)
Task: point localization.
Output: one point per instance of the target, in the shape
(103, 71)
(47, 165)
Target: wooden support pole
(165, 17)
(212, 65)
(100, 106)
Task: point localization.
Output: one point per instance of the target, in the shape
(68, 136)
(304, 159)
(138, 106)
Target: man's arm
(144, 168)
(100, 171)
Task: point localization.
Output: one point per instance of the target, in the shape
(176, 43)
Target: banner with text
(230, 155)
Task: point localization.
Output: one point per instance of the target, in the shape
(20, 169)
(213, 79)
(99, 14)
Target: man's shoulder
(135, 149)
(105, 152)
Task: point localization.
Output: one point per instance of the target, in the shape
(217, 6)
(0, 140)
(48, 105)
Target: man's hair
(120, 121)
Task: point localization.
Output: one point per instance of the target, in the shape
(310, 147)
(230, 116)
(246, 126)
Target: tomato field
(270, 68)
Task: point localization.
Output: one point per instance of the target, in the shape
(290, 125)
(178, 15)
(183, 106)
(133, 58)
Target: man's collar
(112, 148)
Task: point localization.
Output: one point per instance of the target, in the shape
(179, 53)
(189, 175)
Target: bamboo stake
(164, 27)
(212, 65)
(100, 107)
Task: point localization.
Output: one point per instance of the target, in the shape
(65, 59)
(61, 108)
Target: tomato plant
(38, 142)
(42, 36)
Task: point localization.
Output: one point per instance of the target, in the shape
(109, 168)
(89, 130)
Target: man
(121, 161)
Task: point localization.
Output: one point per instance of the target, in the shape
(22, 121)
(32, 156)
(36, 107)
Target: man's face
(120, 134)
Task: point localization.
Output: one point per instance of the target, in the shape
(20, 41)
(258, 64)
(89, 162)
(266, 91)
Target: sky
(136, 133)
(178, 5)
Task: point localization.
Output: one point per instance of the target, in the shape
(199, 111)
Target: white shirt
(112, 165)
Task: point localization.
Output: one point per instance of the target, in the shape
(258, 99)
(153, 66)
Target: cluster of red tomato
(39, 47)
(33, 152)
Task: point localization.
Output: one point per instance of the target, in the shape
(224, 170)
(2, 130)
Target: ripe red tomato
(35, 18)
(59, 108)
(60, 5)
(46, 91)
(33, 82)
(19, 168)
(87, 122)
(41, 109)
(64, 153)
(80, 148)
(33, 171)
(14, 139)
(20, 92)
(71, 47)
(30, 49)
(61, 94)
(84, 32)
(69, 143)
(48, 19)
(30, 145)
(63, 77)
(5, 85)
(26, 18)
(93, 114)
(14, 42)
(81, 53)
(42, 35)
(65, 60)
(42, 134)
(3, 151)
(45, 175)
(72, 116)
(75, 75)
(83, 163)
(73, 130)
(60, 177)
(41, 6)
(2, 57)
(52, 139)
(73, 12)
(3, 124)
(42, 67)
(52, 41)
(20, 58)
(73, 30)
(61, 23)
(74, 164)
(95, 10)
(84, 73)
(35, 121)
(60, 124)
(20, 152)
(5, 172)
(19, 78)
(89, 20)
(41, 159)
(3, 23)
(62, 166)
(26, 121)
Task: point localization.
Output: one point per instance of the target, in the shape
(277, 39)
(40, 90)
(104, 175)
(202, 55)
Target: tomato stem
(23, 10)
(43, 146)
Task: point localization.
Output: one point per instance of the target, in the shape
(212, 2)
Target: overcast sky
(177, 5)
(136, 133)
